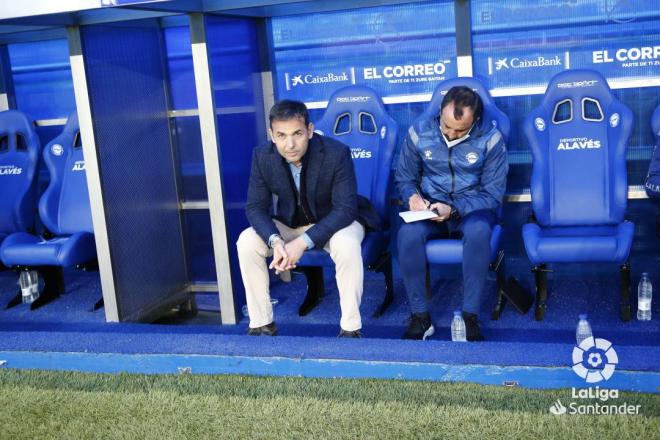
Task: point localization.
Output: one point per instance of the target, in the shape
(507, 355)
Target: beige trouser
(345, 250)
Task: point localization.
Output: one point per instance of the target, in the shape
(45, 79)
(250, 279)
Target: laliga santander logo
(594, 360)
(600, 357)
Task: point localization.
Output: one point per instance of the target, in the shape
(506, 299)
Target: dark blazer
(330, 186)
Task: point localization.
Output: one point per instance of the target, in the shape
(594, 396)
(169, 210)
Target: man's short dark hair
(287, 110)
(463, 97)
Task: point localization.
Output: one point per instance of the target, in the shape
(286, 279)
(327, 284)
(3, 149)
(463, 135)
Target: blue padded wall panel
(236, 152)
(234, 59)
(201, 262)
(125, 70)
(42, 79)
(180, 66)
(191, 158)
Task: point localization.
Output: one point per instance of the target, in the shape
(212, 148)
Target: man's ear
(270, 133)
(310, 129)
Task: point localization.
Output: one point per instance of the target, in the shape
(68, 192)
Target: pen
(426, 203)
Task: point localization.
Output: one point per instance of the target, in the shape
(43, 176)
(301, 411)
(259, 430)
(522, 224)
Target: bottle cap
(458, 313)
(582, 316)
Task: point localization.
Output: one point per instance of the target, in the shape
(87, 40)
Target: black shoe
(472, 330)
(352, 334)
(265, 330)
(420, 326)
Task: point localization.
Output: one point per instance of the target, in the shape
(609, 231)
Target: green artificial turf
(68, 405)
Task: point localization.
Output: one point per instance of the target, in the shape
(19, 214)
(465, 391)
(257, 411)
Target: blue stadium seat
(19, 165)
(578, 138)
(357, 117)
(450, 250)
(65, 212)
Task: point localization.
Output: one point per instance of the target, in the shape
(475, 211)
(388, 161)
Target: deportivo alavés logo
(360, 153)
(471, 157)
(578, 143)
(594, 360)
(614, 120)
(539, 123)
(57, 149)
(10, 170)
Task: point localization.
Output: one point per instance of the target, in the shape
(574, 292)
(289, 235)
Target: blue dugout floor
(67, 335)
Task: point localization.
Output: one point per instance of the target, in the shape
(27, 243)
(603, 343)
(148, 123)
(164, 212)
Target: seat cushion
(30, 250)
(316, 257)
(373, 244)
(450, 251)
(578, 244)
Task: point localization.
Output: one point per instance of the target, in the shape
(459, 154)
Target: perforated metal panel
(126, 83)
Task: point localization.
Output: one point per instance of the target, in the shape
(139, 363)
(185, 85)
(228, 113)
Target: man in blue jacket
(652, 181)
(452, 165)
(313, 179)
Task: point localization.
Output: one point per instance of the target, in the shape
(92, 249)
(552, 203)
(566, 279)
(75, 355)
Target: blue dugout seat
(19, 166)
(450, 250)
(65, 212)
(578, 138)
(357, 117)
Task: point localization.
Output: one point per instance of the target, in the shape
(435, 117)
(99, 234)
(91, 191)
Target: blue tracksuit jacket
(652, 182)
(469, 176)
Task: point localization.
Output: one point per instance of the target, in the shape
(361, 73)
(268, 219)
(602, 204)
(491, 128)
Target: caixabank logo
(529, 63)
(595, 361)
(294, 80)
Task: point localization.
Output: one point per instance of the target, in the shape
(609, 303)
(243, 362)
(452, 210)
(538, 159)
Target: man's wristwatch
(273, 240)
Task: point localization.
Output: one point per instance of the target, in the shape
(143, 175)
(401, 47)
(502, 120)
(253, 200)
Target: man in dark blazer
(314, 182)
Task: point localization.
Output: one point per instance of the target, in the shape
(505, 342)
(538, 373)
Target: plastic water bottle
(36, 283)
(644, 297)
(29, 282)
(458, 333)
(583, 329)
(244, 309)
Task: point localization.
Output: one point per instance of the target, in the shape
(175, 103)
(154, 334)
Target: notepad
(415, 216)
